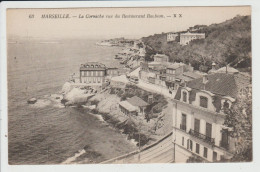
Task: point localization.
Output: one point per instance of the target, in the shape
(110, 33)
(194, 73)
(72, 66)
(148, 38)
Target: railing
(183, 127)
(224, 145)
(202, 137)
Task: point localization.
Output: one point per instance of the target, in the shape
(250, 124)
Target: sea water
(50, 133)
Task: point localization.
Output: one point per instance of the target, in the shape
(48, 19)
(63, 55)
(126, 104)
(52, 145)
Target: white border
(147, 167)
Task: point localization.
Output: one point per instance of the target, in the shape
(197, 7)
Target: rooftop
(218, 83)
(136, 101)
(92, 66)
(128, 106)
(227, 69)
(174, 65)
(192, 75)
(189, 33)
(160, 55)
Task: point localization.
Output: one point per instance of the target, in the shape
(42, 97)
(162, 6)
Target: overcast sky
(18, 22)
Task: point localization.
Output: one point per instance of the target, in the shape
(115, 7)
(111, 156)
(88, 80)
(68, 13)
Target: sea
(54, 134)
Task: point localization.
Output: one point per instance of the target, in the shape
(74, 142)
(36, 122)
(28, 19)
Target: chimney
(213, 66)
(205, 80)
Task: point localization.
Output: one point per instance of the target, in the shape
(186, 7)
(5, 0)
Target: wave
(74, 158)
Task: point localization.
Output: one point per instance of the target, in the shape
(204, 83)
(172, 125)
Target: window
(197, 148)
(224, 140)
(183, 122)
(188, 141)
(184, 96)
(197, 125)
(203, 101)
(191, 145)
(208, 130)
(225, 104)
(215, 156)
(205, 154)
(182, 141)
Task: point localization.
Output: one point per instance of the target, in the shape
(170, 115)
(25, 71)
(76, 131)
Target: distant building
(133, 106)
(119, 81)
(177, 73)
(161, 58)
(165, 74)
(198, 116)
(112, 71)
(171, 36)
(185, 38)
(92, 73)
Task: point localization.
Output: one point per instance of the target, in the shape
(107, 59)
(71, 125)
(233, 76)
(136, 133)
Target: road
(159, 152)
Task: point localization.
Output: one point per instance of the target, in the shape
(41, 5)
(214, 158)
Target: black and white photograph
(133, 85)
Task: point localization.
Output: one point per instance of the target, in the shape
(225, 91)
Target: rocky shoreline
(105, 105)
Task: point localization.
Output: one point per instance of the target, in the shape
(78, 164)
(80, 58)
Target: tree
(239, 119)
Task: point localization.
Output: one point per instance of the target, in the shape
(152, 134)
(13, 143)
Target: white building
(171, 36)
(185, 38)
(198, 117)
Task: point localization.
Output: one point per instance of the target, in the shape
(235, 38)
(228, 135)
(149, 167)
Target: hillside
(226, 43)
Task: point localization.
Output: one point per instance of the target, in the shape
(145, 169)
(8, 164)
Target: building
(171, 36)
(177, 73)
(127, 108)
(92, 74)
(133, 106)
(112, 71)
(198, 116)
(153, 72)
(185, 38)
(166, 74)
(161, 58)
(119, 81)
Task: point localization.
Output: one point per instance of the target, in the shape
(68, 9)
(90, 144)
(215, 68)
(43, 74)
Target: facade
(185, 38)
(161, 58)
(112, 71)
(198, 116)
(165, 74)
(177, 73)
(171, 36)
(153, 73)
(95, 74)
(92, 73)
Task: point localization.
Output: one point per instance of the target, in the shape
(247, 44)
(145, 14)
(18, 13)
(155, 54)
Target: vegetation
(239, 119)
(226, 43)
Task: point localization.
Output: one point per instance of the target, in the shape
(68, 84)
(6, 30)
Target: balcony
(224, 145)
(183, 127)
(202, 137)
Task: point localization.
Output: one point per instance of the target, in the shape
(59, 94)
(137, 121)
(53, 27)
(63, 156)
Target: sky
(19, 23)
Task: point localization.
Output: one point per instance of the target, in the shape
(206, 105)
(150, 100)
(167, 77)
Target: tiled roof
(136, 101)
(218, 83)
(192, 75)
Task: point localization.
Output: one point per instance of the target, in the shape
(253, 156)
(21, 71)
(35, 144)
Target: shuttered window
(197, 125)
(197, 148)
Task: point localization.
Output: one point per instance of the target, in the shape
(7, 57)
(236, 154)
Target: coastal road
(161, 151)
